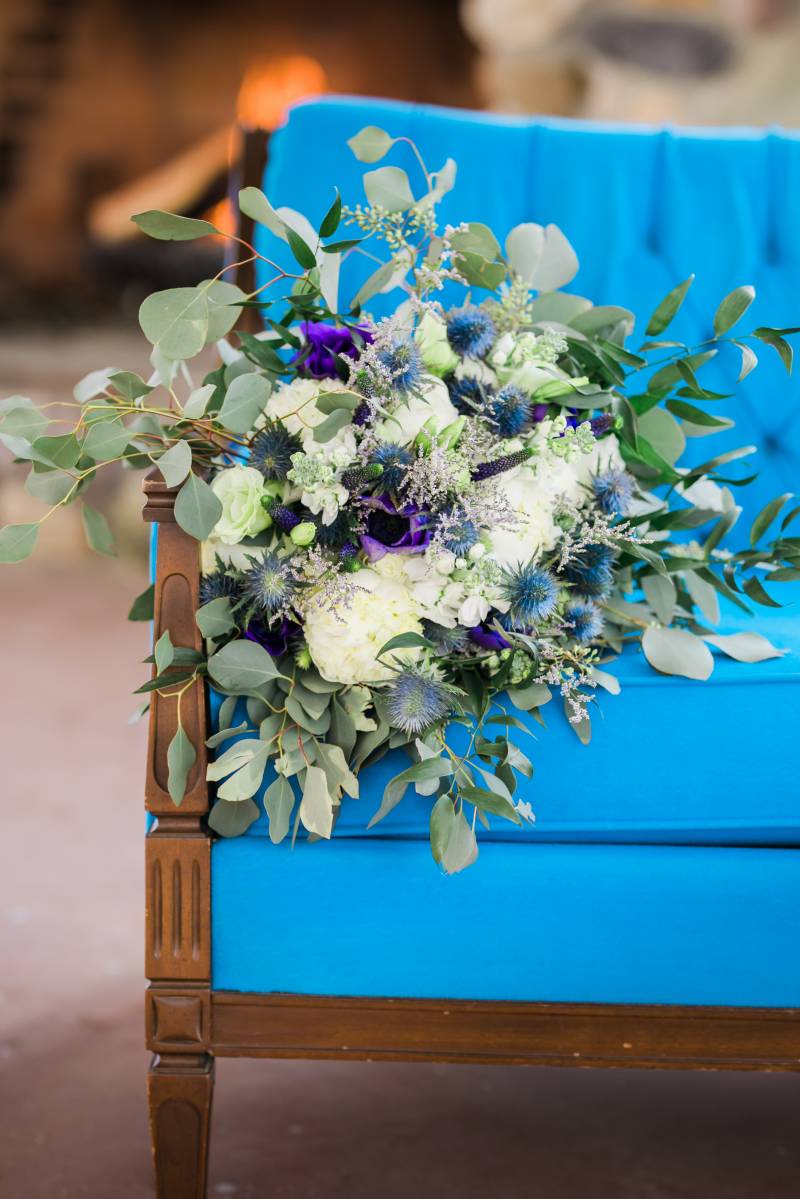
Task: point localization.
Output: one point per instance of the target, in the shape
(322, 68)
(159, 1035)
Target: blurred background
(108, 107)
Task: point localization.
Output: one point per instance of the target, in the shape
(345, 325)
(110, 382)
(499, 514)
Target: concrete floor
(72, 1113)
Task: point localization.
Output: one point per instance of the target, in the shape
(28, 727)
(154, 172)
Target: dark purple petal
(488, 638)
(275, 641)
(323, 342)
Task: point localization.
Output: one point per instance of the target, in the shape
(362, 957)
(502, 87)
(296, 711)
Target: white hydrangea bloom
(295, 405)
(344, 646)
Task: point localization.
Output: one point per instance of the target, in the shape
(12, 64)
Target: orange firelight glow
(271, 85)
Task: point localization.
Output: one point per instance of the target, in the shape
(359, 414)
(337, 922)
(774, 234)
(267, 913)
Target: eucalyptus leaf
(327, 429)
(215, 619)
(176, 321)
(167, 226)
(241, 667)
(17, 542)
(316, 806)
(175, 463)
(253, 203)
(453, 842)
(181, 757)
(661, 595)
(766, 516)
(98, 535)
(198, 401)
(370, 144)
(704, 595)
(745, 647)
(224, 306)
(388, 188)
(232, 819)
(142, 606)
(106, 440)
(278, 803)
(245, 400)
(245, 781)
(19, 417)
(676, 651)
(197, 508)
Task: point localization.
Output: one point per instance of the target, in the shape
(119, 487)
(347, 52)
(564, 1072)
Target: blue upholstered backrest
(643, 207)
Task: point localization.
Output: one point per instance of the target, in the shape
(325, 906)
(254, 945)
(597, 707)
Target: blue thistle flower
(447, 641)
(416, 701)
(586, 621)
(268, 584)
(510, 410)
(395, 460)
(469, 395)
(613, 491)
(459, 538)
(470, 331)
(218, 585)
(404, 363)
(532, 593)
(272, 449)
(591, 570)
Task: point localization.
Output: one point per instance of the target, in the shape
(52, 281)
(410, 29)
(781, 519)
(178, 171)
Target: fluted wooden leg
(179, 1092)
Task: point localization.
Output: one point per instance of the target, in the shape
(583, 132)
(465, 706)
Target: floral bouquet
(415, 530)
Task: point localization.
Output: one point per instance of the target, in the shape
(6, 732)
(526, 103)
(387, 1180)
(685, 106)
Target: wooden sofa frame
(188, 1024)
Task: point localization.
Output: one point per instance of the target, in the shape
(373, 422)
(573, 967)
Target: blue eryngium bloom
(586, 620)
(590, 571)
(416, 701)
(460, 537)
(272, 449)
(510, 410)
(218, 585)
(613, 491)
(469, 395)
(404, 363)
(268, 584)
(395, 460)
(470, 331)
(532, 593)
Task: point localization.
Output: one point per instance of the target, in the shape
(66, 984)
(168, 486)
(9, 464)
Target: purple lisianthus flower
(392, 530)
(325, 342)
(539, 412)
(488, 638)
(274, 640)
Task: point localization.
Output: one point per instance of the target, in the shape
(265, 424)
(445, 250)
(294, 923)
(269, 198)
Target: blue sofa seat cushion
(577, 923)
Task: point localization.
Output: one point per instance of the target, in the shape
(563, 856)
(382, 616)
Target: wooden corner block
(178, 1020)
(178, 898)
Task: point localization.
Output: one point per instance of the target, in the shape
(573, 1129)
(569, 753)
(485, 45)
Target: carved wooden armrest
(178, 955)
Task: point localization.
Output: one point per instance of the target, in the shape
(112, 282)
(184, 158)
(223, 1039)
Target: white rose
(240, 490)
(295, 404)
(344, 649)
(408, 416)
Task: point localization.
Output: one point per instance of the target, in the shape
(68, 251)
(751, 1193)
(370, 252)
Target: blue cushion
(601, 923)
(643, 207)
